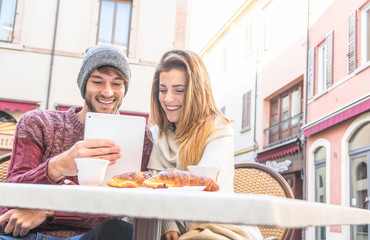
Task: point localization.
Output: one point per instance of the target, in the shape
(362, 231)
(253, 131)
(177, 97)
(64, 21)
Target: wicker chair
(255, 178)
(4, 161)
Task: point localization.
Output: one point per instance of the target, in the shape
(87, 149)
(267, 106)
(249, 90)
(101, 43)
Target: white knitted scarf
(165, 148)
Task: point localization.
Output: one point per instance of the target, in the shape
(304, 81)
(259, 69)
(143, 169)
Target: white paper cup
(207, 171)
(91, 171)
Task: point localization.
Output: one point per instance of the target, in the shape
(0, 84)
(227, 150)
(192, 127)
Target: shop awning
(337, 118)
(17, 105)
(278, 152)
(62, 107)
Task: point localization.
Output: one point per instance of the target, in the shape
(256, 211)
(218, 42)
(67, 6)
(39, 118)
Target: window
(246, 116)
(248, 39)
(365, 34)
(359, 187)
(320, 173)
(7, 17)
(267, 33)
(325, 63)
(285, 115)
(321, 66)
(114, 23)
(320, 185)
(361, 172)
(360, 138)
(286, 105)
(359, 153)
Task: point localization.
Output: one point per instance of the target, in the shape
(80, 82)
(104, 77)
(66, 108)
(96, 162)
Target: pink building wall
(336, 19)
(334, 136)
(346, 87)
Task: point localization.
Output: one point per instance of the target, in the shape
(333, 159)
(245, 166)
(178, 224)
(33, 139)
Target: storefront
(10, 112)
(338, 157)
(287, 159)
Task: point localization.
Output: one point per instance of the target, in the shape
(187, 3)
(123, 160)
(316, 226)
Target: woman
(189, 129)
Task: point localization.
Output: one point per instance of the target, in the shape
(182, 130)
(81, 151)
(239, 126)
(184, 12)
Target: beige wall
(25, 63)
(24, 75)
(156, 28)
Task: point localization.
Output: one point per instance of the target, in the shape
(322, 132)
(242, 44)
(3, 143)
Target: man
(47, 142)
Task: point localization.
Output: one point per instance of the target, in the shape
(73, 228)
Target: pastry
(129, 179)
(177, 178)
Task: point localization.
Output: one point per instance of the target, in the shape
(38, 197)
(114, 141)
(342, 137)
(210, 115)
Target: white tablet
(126, 131)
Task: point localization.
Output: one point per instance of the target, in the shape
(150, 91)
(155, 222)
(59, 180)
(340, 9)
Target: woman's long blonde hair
(199, 111)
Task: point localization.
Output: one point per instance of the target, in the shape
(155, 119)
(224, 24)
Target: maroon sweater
(41, 135)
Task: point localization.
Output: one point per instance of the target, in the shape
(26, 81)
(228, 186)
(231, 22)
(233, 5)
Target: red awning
(17, 105)
(62, 107)
(278, 152)
(339, 117)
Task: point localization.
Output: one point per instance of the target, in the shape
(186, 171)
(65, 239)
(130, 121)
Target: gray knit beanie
(102, 55)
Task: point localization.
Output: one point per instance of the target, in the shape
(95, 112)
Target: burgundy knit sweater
(41, 135)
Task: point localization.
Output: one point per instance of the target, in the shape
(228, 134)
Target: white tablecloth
(180, 205)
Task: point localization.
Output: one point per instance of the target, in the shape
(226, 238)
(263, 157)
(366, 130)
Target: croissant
(129, 179)
(177, 178)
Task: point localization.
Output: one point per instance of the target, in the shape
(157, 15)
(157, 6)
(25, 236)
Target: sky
(207, 17)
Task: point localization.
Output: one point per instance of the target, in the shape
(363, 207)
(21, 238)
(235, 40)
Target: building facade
(231, 59)
(282, 70)
(338, 117)
(42, 43)
(307, 72)
(257, 64)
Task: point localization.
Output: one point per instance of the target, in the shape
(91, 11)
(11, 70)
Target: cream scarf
(165, 148)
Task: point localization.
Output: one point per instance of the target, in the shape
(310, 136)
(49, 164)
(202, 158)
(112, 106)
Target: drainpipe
(255, 107)
(306, 99)
(304, 142)
(256, 96)
(52, 56)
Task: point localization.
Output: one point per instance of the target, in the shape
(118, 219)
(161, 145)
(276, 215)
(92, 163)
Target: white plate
(185, 188)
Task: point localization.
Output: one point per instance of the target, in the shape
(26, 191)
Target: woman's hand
(173, 235)
(21, 221)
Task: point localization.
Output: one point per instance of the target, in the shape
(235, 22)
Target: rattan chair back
(255, 178)
(4, 161)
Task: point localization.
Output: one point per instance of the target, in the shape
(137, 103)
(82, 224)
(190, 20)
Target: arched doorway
(359, 157)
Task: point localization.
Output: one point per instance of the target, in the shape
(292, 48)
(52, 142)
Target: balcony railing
(283, 131)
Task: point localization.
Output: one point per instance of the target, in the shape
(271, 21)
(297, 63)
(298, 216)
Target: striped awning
(278, 152)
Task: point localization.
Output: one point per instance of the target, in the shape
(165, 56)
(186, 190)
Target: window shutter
(351, 48)
(311, 73)
(329, 59)
(246, 115)
(249, 95)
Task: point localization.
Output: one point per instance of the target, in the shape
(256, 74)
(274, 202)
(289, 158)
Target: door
(359, 197)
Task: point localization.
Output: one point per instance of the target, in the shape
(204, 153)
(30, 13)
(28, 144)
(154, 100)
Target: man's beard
(93, 109)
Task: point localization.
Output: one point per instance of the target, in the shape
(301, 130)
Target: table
(149, 206)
